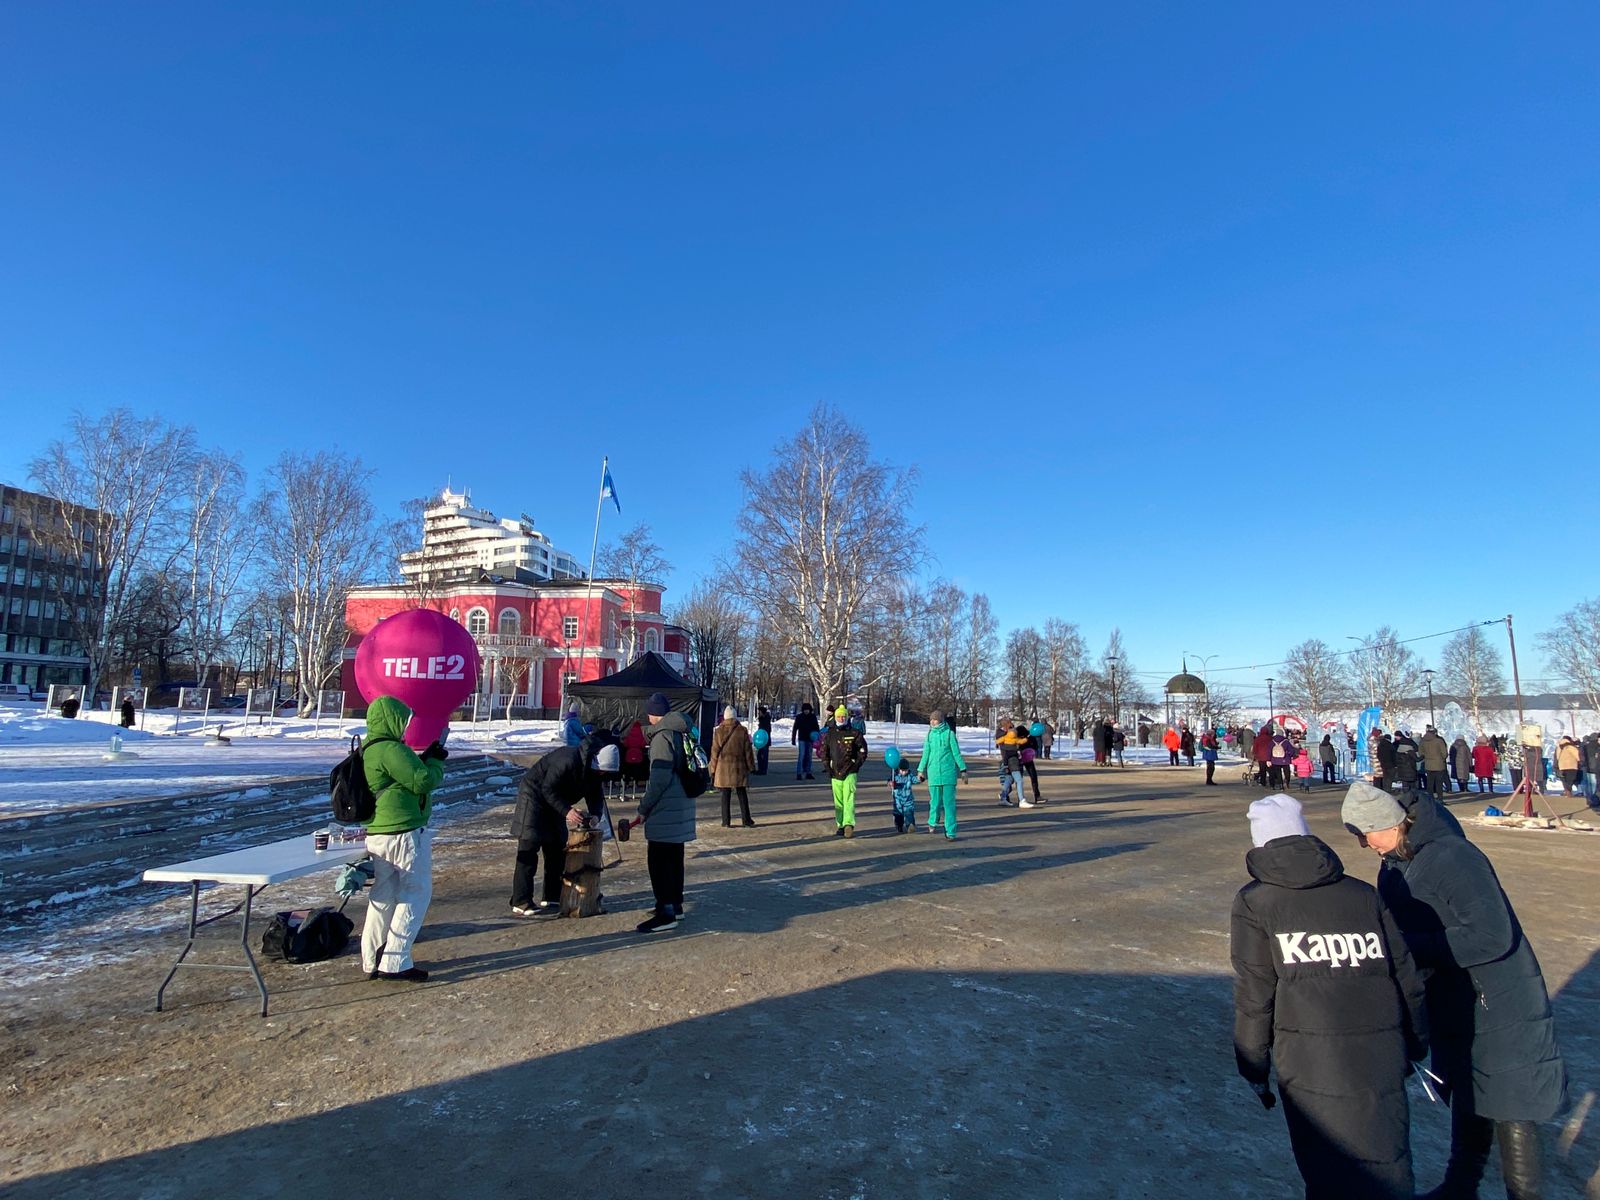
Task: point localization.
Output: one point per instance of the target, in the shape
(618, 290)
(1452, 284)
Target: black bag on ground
(352, 798)
(306, 935)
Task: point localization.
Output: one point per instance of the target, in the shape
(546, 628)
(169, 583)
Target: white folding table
(254, 868)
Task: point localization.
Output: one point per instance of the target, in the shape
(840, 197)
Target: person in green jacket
(939, 767)
(398, 840)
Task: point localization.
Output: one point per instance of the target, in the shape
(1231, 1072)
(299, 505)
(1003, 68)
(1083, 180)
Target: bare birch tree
(324, 540)
(1470, 667)
(824, 528)
(1572, 649)
(1389, 672)
(1314, 679)
(945, 606)
(717, 629)
(1065, 657)
(633, 559)
(980, 653)
(1027, 667)
(218, 547)
(115, 486)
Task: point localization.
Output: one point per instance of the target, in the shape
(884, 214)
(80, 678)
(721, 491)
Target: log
(580, 887)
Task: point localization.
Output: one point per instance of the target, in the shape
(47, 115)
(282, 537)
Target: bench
(254, 869)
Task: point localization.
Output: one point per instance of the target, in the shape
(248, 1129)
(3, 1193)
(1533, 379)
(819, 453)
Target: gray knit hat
(1368, 809)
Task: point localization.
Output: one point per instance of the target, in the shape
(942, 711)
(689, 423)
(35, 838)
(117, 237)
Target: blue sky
(1225, 326)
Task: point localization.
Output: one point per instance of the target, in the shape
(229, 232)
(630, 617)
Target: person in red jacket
(1171, 741)
(1483, 764)
(1261, 751)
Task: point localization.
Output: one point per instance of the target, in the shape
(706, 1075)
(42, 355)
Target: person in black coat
(1494, 1040)
(1388, 770)
(802, 734)
(547, 807)
(1325, 990)
(763, 721)
(1186, 744)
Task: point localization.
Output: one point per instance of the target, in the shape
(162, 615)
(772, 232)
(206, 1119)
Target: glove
(435, 750)
(1264, 1094)
(964, 778)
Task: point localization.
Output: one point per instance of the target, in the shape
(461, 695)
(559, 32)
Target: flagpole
(588, 594)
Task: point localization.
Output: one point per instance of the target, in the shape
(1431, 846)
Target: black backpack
(348, 790)
(306, 935)
(693, 772)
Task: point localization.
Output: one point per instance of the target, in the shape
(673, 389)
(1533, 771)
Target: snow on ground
(48, 761)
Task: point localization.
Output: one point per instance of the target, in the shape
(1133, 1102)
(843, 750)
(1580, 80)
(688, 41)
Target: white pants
(401, 889)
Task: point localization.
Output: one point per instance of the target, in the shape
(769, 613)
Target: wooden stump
(580, 888)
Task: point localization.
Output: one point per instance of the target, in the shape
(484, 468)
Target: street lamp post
(1271, 708)
(1116, 709)
(1205, 662)
(1427, 675)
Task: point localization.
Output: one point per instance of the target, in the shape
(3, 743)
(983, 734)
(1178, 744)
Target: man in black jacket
(803, 735)
(844, 748)
(547, 807)
(1325, 989)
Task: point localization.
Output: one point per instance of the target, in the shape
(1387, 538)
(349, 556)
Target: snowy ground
(48, 762)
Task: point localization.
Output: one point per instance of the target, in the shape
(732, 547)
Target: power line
(1365, 648)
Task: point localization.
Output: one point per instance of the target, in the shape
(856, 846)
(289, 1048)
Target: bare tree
(1066, 658)
(1572, 649)
(980, 651)
(824, 529)
(1470, 667)
(1388, 671)
(633, 559)
(716, 626)
(1314, 679)
(944, 608)
(218, 547)
(1027, 668)
(324, 540)
(115, 487)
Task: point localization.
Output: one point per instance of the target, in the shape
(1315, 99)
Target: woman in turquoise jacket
(939, 767)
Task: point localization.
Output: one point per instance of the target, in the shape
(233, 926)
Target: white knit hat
(1274, 817)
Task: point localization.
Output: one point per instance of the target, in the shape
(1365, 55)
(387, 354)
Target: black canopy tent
(617, 701)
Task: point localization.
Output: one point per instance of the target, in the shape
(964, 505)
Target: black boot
(1519, 1158)
(1470, 1139)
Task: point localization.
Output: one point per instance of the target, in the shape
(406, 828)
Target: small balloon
(763, 739)
(891, 757)
(1036, 729)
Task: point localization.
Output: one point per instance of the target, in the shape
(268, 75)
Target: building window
(510, 622)
(650, 643)
(569, 628)
(478, 622)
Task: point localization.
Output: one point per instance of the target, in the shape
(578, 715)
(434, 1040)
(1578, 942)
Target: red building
(534, 638)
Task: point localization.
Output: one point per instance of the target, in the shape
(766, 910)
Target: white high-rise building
(460, 542)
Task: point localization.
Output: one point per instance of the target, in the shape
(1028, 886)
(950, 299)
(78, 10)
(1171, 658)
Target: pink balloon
(424, 660)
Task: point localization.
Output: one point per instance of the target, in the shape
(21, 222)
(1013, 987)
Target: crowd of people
(1342, 991)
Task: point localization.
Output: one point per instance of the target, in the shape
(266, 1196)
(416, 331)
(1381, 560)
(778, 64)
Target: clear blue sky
(1221, 324)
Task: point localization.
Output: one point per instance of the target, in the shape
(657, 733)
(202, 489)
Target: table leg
(244, 944)
(194, 911)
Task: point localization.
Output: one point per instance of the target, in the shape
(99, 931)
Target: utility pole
(1427, 674)
(1271, 708)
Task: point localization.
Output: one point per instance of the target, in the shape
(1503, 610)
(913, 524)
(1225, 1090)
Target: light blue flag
(608, 490)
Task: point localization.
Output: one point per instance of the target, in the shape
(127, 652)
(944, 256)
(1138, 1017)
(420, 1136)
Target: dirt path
(1040, 1009)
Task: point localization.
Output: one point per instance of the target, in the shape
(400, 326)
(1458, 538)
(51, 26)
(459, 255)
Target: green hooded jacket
(941, 759)
(400, 780)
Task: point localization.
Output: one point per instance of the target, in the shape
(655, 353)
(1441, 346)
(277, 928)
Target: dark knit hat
(657, 705)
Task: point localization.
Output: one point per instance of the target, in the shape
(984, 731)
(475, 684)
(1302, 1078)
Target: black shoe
(809, 775)
(748, 823)
(658, 920)
(409, 975)
(547, 908)
(727, 824)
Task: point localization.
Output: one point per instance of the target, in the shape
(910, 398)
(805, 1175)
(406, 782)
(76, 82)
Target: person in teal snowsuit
(939, 767)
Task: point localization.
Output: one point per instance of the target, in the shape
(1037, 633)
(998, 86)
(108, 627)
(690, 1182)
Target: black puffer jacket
(551, 787)
(1493, 1032)
(844, 749)
(1325, 987)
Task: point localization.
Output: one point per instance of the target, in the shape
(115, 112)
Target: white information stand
(141, 700)
(60, 693)
(193, 700)
(330, 705)
(261, 703)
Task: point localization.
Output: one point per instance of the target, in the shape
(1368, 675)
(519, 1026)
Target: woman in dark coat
(1326, 991)
(547, 806)
(1494, 1040)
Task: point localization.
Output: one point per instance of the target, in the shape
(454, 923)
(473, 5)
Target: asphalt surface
(1040, 1008)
